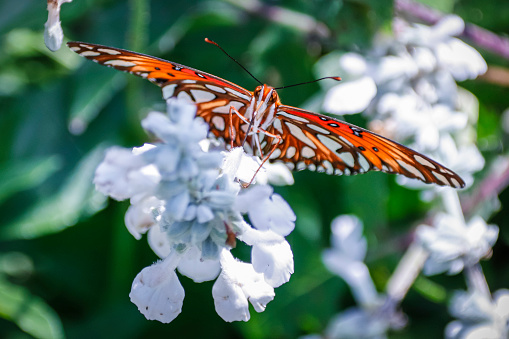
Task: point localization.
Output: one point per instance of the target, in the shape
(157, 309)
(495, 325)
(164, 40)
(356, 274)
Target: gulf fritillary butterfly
(301, 139)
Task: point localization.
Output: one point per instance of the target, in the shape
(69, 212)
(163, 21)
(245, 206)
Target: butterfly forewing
(318, 142)
(212, 95)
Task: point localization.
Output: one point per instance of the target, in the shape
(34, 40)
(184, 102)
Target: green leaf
(430, 289)
(29, 312)
(90, 100)
(76, 199)
(22, 175)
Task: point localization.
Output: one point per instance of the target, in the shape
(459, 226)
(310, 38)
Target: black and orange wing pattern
(309, 140)
(324, 144)
(212, 95)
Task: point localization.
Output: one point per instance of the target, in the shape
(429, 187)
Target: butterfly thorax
(263, 107)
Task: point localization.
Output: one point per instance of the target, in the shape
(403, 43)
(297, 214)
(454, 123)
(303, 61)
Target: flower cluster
(192, 204)
(406, 87)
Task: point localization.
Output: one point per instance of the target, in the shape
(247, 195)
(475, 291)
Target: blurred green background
(66, 260)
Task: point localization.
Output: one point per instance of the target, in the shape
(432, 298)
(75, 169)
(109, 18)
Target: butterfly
(258, 120)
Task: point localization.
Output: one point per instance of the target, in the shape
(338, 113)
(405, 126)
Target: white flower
(358, 322)
(267, 211)
(187, 197)
(463, 61)
(453, 244)
(53, 34)
(274, 260)
(350, 97)
(122, 174)
(237, 284)
(157, 291)
(140, 216)
(479, 316)
(193, 266)
(346, 257)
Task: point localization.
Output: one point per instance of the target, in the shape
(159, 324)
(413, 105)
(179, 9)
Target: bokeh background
(66, 260)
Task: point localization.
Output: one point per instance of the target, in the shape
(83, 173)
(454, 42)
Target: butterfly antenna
(238, 63)
(309, 82)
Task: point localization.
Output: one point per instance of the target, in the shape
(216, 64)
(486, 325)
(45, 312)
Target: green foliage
(58, 111)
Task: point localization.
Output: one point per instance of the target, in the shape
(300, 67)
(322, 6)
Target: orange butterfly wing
(309, 140)
(318, 142)
(212, 95)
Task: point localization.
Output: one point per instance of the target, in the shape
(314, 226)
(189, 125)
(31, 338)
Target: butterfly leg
(232, 130)
(267, 157)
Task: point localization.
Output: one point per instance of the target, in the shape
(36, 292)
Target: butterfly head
(267, 94)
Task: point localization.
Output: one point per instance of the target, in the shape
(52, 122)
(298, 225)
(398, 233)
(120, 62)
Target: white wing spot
(320, 169)
(347, 158)
(277, 125)
(423, 161)
(297, 132)
(188, 81)
(337, 171)
(226, 108)
(86, 46)
(440, 178)
(293, 117)
(290, 165)
(184, 96)
(411, 169)
(218, 122)
(455, 182)
(109, 51)
(301, 165)
(445, 170)
(74, 48)
(307, 152)
(276, 154)
(312, 167)
(202, 96)
(89, 53)
(290, 152)
(318, 129)
(168, 91)
(237, 93)
(119, 63)
(329, 169)
(346, 141)
(215, 88)
(248, 148)
(364, 163)
(329, 143)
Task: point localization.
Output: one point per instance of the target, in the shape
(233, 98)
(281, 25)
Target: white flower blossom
(53, 34)
(237, 284)
(190, 200)
(407, 86)
(358, 322)
(157, 291)
(453, 244)
(479, 316)
(346, 257)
